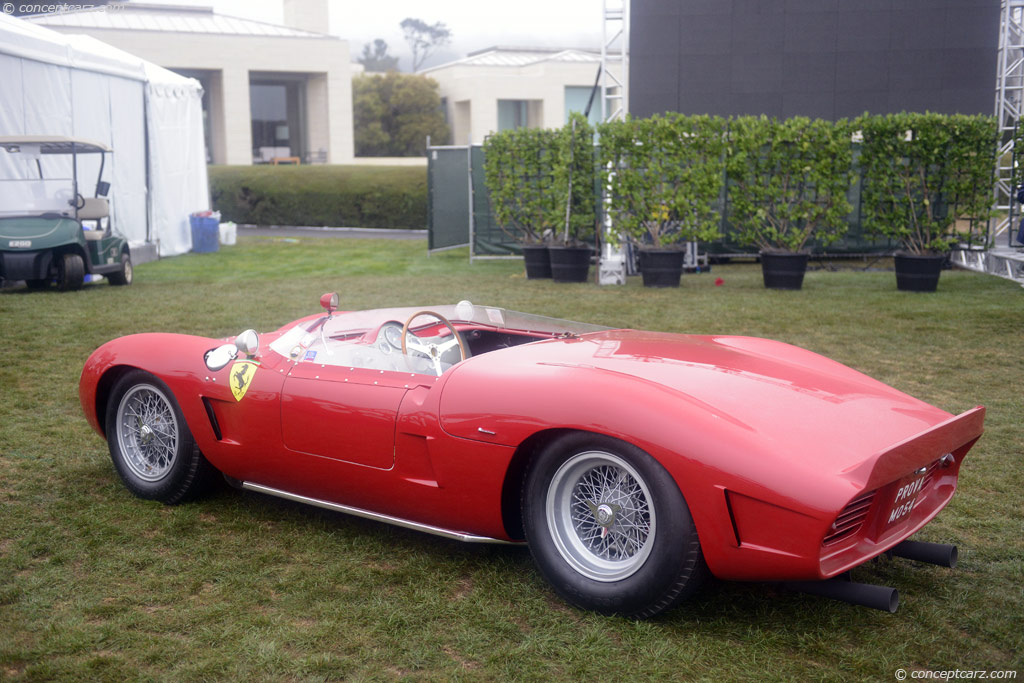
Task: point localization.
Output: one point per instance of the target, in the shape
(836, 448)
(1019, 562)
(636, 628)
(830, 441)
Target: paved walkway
(299, 231)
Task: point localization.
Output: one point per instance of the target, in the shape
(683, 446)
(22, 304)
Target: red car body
(794, 467)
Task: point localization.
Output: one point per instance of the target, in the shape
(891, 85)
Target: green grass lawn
(95, 584)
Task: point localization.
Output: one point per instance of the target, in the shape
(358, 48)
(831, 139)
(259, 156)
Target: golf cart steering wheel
(432, 351)
(79, 202)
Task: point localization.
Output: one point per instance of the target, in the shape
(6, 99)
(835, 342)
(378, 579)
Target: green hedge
(924, 180)
(337, 196)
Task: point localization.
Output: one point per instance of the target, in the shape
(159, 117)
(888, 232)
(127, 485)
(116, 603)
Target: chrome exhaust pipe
(864, 594)
(942, 554)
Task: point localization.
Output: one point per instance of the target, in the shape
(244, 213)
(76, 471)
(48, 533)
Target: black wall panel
(820, 58)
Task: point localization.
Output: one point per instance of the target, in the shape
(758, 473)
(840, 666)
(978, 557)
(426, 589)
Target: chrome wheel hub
(601, 516)
(147, 432)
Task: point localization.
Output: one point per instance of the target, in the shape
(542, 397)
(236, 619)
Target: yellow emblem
(242, 372)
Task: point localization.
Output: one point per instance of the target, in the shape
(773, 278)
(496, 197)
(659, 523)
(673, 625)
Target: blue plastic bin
(205, 232)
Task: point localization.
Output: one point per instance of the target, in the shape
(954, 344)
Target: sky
(475, 24)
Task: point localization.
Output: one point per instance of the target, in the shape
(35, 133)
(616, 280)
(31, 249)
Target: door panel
(342, 413)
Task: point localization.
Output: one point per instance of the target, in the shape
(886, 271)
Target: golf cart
(49, 230)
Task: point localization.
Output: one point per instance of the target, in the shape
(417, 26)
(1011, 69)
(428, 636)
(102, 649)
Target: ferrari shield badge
(242, 372)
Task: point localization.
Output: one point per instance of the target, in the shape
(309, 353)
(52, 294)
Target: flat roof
(136, 16)
(524, 56)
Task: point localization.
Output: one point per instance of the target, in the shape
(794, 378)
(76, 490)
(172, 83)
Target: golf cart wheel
(70, 272)
(125, 275)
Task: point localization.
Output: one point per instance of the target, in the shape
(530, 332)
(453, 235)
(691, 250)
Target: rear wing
(956, 435)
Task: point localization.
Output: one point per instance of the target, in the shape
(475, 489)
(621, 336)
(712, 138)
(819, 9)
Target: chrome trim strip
(376, 516)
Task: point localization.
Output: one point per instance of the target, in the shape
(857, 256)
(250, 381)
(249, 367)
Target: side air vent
(213, 419)
(850, 520)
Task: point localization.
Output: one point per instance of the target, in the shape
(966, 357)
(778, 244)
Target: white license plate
(19, 244)
(906, 497)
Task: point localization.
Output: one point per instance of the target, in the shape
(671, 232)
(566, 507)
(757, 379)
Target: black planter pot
(661, 267)
(918, 272)
(537, 262)
(569, 264)
(783, 270)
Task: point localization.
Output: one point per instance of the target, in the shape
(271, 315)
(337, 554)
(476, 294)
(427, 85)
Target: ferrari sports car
(633, 464)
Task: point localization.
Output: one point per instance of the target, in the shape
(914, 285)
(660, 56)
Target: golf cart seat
(94, 209)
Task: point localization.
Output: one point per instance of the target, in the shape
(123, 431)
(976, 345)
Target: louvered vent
(851, 519)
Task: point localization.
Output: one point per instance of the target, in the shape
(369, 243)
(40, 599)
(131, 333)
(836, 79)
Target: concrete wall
(230, 58)
(472, 93)
(820, 58)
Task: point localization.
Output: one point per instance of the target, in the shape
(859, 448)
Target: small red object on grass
(719, 282)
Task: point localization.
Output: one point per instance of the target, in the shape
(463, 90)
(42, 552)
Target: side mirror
(248, 342)
(102, 188)
(329, 301)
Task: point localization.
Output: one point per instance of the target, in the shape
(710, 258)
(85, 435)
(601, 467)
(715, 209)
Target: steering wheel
(432, 351)
(79, 201)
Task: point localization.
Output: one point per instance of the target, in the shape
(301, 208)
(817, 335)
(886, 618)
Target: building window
(278, 130)
(576, 99)
(520, 113)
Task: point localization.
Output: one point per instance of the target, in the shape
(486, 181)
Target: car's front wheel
(150, 443)
(609, 528)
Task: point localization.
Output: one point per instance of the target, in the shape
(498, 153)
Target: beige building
(271, 92)
(501, 88)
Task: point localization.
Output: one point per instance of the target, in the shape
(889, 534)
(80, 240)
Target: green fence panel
(447, 198)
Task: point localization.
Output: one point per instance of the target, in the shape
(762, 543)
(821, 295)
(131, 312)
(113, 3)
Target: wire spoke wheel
(147, 432)
(601, 516)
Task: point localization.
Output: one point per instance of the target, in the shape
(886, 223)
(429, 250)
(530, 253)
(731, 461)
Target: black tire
(125, 275)
(150, 443)
(70, 272)
(632, 549)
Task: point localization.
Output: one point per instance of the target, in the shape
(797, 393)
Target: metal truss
(615, 50)
(611, 262)
(1004, 257)
(1009, 104)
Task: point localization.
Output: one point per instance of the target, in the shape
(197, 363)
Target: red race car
(632, 463)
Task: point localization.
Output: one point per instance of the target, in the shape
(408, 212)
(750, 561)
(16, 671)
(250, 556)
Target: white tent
(55, 84)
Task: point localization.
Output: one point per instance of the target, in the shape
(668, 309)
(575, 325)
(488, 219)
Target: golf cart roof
(52, 144)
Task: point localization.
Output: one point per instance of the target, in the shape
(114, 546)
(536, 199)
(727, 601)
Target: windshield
(373, 338)
(21, 197)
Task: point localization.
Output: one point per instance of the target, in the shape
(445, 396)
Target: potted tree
(518, 173)
(921, 173)
(665, 175)
(573, 184)
(789, 183)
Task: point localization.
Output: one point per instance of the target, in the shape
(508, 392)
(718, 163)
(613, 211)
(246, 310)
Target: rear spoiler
(956, 435)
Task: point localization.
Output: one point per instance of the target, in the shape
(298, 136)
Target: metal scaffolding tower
(1004, 256)
(615, 50)
(611, 261)
(1009, 103)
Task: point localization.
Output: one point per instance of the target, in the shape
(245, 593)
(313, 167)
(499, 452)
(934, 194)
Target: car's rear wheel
(608, 527)
(125, 275)
(150, 443)
(70, 272)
